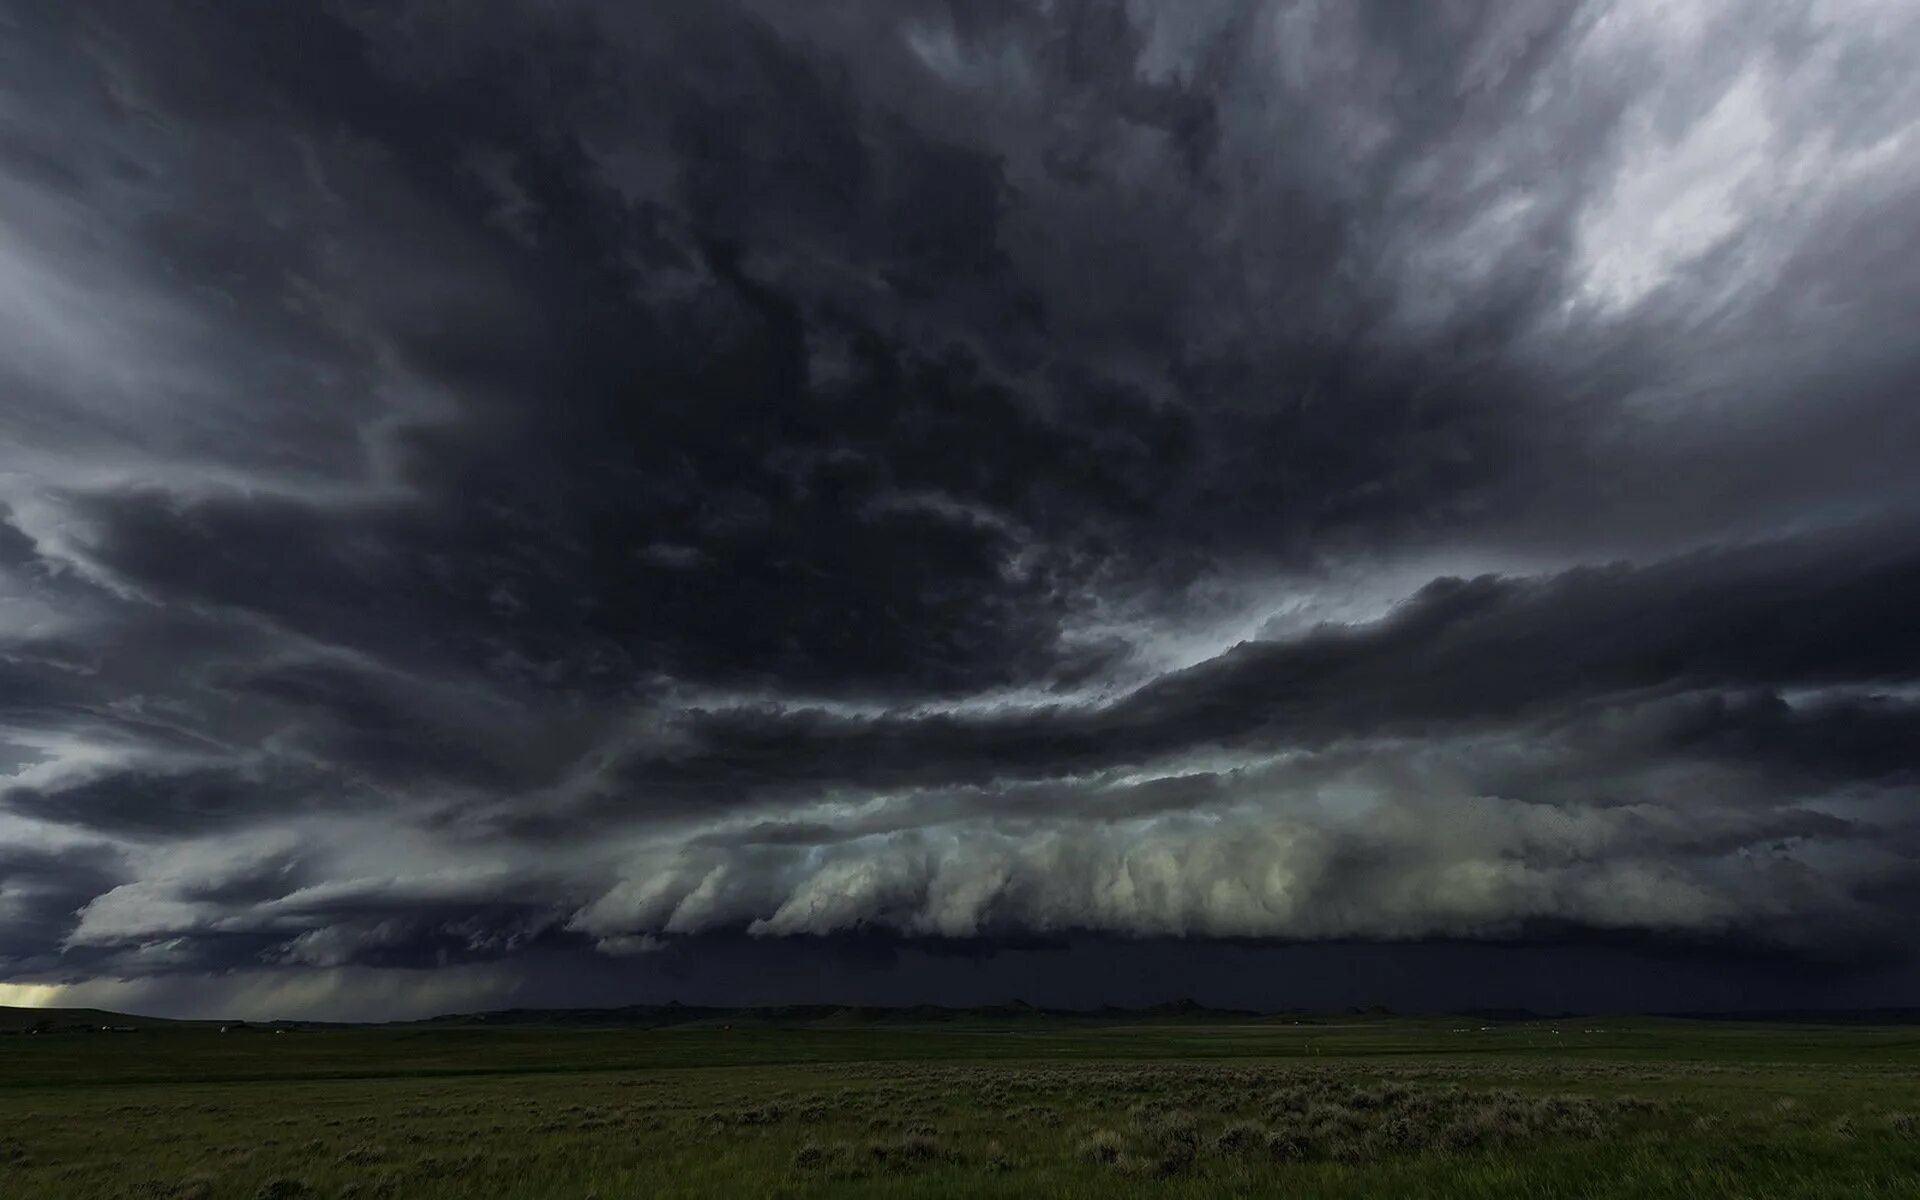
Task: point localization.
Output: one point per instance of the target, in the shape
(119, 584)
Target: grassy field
(1356, 1107)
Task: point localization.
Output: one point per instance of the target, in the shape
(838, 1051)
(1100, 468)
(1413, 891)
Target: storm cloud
(643, 493)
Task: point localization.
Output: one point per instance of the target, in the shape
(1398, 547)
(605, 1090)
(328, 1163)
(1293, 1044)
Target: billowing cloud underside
(599, 481)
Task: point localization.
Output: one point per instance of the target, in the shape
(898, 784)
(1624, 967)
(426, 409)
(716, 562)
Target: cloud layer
(609, 489)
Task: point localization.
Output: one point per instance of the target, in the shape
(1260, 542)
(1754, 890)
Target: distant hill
(829, 1016)
(1811, 1016)
(654, 1016)
(15, 1020)
(659, 1016)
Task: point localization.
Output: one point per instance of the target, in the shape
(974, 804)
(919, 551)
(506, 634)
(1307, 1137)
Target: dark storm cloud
(394, 732)
(137, 803)
(1481, 653)
(584, 484)
(40, 889)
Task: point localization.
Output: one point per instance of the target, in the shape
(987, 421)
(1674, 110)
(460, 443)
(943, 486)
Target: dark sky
(894, 500)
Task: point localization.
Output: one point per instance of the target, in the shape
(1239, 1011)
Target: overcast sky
(898, 500)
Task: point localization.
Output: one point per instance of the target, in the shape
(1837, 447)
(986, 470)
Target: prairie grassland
(1383, 1108)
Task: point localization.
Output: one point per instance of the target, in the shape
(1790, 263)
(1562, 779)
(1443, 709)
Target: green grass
(1367, 1107)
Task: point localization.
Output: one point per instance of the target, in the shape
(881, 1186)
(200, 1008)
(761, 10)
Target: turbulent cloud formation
(655, 494)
